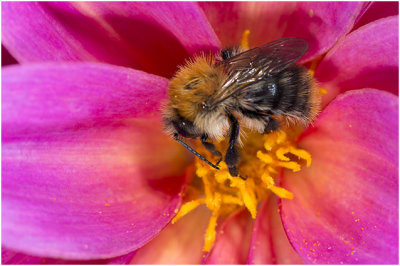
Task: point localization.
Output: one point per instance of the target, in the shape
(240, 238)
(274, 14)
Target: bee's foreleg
(232, 155)
(270, 124)
(211, 147)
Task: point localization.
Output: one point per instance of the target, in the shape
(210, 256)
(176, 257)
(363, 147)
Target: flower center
(261, 160)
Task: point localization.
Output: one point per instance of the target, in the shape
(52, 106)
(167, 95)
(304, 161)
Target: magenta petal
(9, 257)
(233, 240)
(186, 21)
(345, 206)
(58, 95)
(378, 10)
(91, 192)
(366, 58)
(154, 37)
(269, 243)
(321, 24)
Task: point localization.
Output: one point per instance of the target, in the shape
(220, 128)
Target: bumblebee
(214, 97)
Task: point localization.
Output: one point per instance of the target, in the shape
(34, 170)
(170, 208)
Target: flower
(88, 174)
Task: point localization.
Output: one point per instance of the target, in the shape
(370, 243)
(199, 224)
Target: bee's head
(176, 124)
(186, 112)
(193, 85)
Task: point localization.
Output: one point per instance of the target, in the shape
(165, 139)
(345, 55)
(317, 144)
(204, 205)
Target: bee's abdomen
(293, 92)
(287, 92)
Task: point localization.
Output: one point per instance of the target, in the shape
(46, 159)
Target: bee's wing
(250, 66)
(270, 58)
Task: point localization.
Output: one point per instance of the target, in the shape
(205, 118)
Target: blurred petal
(56, 95)
(269, 243)
(90, 192)
(9, 257)
(378, 10)
(233, 240)
(345, 208)
(321, 24)
(154, 37)
(366, 58)
(179, 243)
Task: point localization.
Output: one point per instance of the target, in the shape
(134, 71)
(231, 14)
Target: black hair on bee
(212, 97)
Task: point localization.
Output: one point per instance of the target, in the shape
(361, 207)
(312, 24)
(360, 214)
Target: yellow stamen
(210, 233)
(245, 40)
(279, 191)
(272, 170)
(280, 153)
(186, 208)
(322, 91)
(228, 199)
(303, 154)
(290, 165)
(266, 158)
(261, 160)
(248, 195)
(314, 65)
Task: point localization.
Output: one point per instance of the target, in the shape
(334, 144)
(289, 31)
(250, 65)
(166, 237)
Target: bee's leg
(270, 125)
(232, 156)
(211, 147)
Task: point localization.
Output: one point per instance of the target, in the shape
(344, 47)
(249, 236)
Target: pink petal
(94, 191)
(9, 257)
(378, 10)
(269, 243)
(345, 208)
(154, 37)
(179, 243)
(193, 30)
(233, 239)
(366, 58)
(58, 95)
(321, 24)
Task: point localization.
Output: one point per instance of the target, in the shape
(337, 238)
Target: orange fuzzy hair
(193, 84)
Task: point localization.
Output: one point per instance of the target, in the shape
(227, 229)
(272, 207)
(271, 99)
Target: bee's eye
(185, 128)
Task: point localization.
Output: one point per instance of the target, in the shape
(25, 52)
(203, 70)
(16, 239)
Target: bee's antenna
(194, 152)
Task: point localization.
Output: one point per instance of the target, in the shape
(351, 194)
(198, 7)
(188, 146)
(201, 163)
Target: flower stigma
(262, 159)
